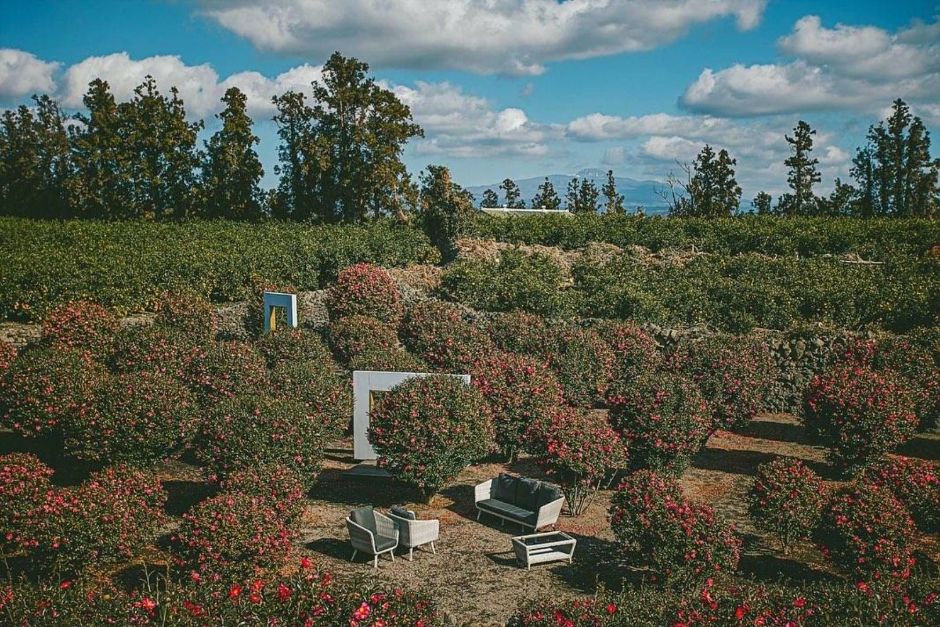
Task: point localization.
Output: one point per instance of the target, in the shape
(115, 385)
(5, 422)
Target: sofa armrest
(482, 491)
(360, 537)
(548, 513)
(385, 526)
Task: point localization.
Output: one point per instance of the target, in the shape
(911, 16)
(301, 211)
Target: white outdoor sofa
(372, 533)
(527, 502)
(413, 533)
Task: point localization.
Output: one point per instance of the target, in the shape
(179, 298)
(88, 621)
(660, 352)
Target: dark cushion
(548, 493)
(383, 544)
(527, 494)
(401, 512)
(364, 517)
(504, 488)
(506, 509)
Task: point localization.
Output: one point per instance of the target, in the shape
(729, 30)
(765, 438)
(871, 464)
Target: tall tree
(802, 172)
(712, 190)
(445, 209)
(762, 203)
(587, 196)
(232, 171)
(571, 195)
(301, 159)
(840, 201)
(490, 199)
(613, 201)
(513, 195)
(546, 197)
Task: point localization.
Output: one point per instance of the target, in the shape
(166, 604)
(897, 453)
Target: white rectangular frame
(279, 299)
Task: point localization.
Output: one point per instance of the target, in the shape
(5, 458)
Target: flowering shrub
(580, 450)
(868, 533)
(287, 344)
(366, 290)
(24, 481)
(635, 350)
(675, 538)
(326, 394)
(279, 485)
(395, 359)
(915, 483)
(152, 348)
(584, 364)
(44, 386)
(436, 333)
(520, 390)
(7, 355)
(355, 335)
(786, 499)
(521, 332)
(257, 430)
(858, 413)
(189, 315)
(232, 535)
(225, 369)
(427, 429)
(137, 418)
(662, 418)
(734, 374)
(79, 325)
(587, 612)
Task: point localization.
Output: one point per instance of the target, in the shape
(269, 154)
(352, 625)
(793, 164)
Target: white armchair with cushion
(413, 532)
(372, 533)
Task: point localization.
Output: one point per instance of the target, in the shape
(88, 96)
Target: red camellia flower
(283, 592)
(362, 612)
(235, 591)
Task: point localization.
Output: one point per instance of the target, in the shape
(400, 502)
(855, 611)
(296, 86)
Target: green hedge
(875, 238)
(124, 265)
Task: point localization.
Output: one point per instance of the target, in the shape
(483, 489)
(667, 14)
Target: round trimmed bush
(152, 348)
(8, 353)
(396, 359)
(734, 374)
(867, 532)
(255, 430)
(45, 386)
(282, 345)
(79, 325)
(427, 429)
(520, 390)
(436, 332)
(279, 485)
(662, 418)
(365, 290)
(188, 314)
(580, 450)
(915, 483)
(786, 499)
(137, 418)
(584, 365)
(355, 335)
(225, 369)
(860, 414)
(325, 393)
(675, 538)
(521, 332)
(24, 482)
(635, 350)
(232, 536)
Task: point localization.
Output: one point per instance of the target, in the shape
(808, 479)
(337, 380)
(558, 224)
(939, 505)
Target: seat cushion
(504, 488)
(527, 494)
(364, 517)
(548, 493)
(506, 509)
(383, 544)
(401, 512)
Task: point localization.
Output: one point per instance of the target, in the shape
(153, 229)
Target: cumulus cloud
(855, 67)
(24, 74)
(516, 37)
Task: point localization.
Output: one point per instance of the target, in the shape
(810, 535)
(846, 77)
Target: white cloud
(24, 74)
(516, 37)
(850, 67)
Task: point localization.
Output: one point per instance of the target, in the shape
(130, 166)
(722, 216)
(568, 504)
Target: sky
(518, 88)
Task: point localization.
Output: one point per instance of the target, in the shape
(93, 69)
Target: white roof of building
(513, 211)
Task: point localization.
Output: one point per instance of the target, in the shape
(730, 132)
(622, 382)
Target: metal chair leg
(392, 554)
(375, 562)
(433, 549)
(353, 555)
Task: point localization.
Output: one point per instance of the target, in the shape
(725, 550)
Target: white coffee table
(539, 548)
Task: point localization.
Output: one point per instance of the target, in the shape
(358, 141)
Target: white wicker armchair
(415, 533)
(372, 533)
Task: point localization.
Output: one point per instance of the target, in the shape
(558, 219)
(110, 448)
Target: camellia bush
(45, 386)
(677, 539)
(189, 315)
(8, 353)
(354, 335)
(427, 429)
(287, 344)
(662, 418)
(521, 332)
(915, 483)
(635, 350)
(324, 391)
(79, 325)
(868, 533)
(734, 374)
(365, 289)
(256, 430)
(277, 484)
(580, 451)
(860, 414)
(786, 499)
(153, 348)
(390, 359)
(24, 483)
(520, 391)
(225, 369)
(584, 365)
(137, 418)
(436, 332)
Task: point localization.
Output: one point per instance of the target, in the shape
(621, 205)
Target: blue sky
(519, 87)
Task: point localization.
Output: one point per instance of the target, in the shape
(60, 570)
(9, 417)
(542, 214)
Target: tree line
(340, 160)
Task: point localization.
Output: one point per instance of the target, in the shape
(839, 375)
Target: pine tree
(840, 201)
(490, 199)
(232, 171)
(803, 173)
(587, 197)
(300, 159)
(613, 200)
(546, 197)
(571, 195)
(513, 195)
(712, 190)
(445, 209)
(762, 203)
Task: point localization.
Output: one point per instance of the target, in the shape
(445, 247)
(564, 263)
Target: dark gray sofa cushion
(364, 517)
(504, 489)
(548, 493)
(527, 494)
(383, 544)
(401, 512)
(508, 510)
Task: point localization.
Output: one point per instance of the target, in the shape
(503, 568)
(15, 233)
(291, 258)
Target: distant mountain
(636, 193)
